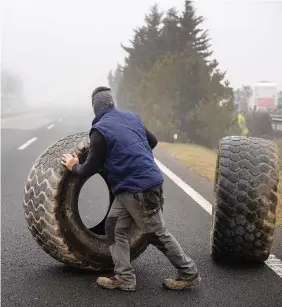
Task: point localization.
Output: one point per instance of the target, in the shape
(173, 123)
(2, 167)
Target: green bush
(259, 124)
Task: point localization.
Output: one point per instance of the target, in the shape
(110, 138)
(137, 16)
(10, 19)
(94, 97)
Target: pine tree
(145, 48)
(171, 80)
(171, 31)
(192, 33)
(114, 81)
(110, 79)
(146, 42)
(180, 95)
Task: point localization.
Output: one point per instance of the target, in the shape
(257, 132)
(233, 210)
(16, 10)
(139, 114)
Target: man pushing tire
(121, 145)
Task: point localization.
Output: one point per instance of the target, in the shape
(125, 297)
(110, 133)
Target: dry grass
(203, 161)
(198, 158)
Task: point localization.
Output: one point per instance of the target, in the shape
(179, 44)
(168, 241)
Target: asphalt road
(30, 277)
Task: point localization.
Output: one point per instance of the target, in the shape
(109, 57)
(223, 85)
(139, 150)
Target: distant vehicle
(265, 96)
(280, 100)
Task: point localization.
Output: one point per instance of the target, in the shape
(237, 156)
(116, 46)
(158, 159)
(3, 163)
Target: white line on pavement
(273, 262)
(50, 127)
(60, 120)
(26, 144)
(186, 188)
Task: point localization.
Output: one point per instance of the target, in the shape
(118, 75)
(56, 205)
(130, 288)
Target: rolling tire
(51, 211)
(245, 194)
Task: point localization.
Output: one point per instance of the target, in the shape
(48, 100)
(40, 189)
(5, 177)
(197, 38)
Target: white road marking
(50, 127)
(186, 188)
(273, 262)
(60, 120)
(26, 144)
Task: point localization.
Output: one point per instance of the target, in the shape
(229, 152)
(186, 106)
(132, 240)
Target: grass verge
(203, 161)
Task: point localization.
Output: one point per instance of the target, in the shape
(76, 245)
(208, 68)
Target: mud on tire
(245, 199)
(51, 211)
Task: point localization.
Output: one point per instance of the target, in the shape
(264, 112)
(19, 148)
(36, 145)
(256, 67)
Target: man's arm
(152, 140)
(96, 156)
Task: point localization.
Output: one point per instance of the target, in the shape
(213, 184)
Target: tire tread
(244, 211)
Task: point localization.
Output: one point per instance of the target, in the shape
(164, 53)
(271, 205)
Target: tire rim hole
(93, 204)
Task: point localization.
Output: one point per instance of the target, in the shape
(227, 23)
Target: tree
(156, 100)
(170, 78)
(180, 95)
(11, 91)
(110, 78)
(114, 80)
(146, 48)
(161, 34)
(192, 33)
(10, 84)
(171, 31)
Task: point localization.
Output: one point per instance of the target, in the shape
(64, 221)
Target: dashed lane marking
(273, 262)
(50, 127)
(26, 144)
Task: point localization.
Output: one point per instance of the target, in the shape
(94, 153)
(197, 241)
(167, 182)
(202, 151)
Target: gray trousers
(144, 209)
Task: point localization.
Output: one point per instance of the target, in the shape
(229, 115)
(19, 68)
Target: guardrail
(275, 115)
(276, 122)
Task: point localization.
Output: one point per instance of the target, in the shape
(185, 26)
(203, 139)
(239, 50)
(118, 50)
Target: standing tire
(51, 211)
(245, 193)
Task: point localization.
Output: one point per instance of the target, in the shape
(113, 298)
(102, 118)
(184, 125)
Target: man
(123, 146)
(242, 123)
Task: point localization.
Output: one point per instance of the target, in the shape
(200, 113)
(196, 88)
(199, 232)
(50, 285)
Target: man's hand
(69, 160)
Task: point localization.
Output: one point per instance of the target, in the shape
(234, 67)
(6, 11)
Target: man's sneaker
(113, 283)
(180, 284)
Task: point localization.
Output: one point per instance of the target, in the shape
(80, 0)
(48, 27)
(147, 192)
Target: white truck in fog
(264, 97)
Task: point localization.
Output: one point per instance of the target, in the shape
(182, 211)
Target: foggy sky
(64, 49)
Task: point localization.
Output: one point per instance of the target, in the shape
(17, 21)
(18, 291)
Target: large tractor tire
(51, 211)
(245, 194)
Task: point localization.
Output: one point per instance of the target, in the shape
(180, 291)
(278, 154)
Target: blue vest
(130, 164)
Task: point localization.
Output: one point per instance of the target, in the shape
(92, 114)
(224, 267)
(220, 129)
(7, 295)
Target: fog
(64, 49)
